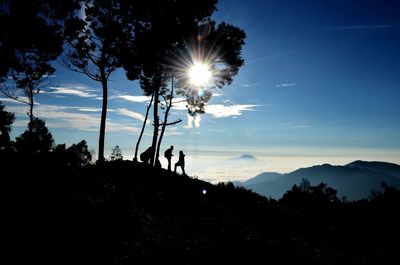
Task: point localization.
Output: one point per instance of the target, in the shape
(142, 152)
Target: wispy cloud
(286, 85)
(223, 111)
(363, 27)
(73, 90)
(10, 100)
(130, 113)
(294, 125)
(131, 98)
(67, 117)
(302, 126)
(86, 109)
(250, 84)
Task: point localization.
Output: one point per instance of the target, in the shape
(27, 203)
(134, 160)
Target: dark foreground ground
(127, 213)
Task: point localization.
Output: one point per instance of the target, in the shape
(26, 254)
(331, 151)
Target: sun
(199, 74)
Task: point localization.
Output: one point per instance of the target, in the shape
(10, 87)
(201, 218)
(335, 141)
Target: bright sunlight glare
(199, 74)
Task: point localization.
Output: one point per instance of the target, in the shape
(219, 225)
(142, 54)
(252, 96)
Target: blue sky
(320, 84)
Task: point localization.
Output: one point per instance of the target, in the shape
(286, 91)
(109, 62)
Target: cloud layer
(73, 90)
(72, 118)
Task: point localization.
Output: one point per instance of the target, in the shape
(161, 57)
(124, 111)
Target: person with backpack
(168, 155)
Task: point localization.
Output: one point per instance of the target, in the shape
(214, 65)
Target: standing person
(168, 155)
(181, 162)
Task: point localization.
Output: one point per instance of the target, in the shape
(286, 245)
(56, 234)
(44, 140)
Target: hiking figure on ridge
(181, 162)
(168, 155)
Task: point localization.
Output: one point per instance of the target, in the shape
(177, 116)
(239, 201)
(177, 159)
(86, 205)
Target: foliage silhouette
(77, 155)
(6, 120)
(28, 44)
(37, 139)
(222, 51)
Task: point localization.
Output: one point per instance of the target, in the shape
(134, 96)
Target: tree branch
(12, 96)
(171, 123)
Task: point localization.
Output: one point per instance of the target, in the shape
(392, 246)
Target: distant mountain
(245, 157)
(354, 182)
(260, 178)
(388, 168)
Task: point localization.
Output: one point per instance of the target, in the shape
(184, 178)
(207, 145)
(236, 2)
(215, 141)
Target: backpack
(168, 153)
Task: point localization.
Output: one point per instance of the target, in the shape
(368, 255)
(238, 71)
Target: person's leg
(183, 169)
(176, 164)
(169, 164)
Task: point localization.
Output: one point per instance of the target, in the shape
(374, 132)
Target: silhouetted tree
(28, 43)
(163, 27)
(37, 139)
(154, 86)
(6, 120)
(77, 155)
(220, 50)
(143, 127)
(165, 39)
(305, 185)
(167, 107)
(306, 195)
(116, 154)
(95, 38)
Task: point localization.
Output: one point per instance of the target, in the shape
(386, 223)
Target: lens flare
(200, 92)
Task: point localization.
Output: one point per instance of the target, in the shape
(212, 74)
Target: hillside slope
(128, 213)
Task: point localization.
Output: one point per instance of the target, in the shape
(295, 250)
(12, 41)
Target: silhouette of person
(146, 155)
(181, 162)
(168, 155)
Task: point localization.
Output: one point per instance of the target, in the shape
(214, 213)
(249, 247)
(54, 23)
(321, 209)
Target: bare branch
(172, 123)
(11, 95)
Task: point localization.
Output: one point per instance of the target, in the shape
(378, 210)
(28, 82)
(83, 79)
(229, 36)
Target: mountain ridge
(351, 180)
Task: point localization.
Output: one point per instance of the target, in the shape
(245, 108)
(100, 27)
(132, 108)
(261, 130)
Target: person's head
(181, 152)
(172, 147)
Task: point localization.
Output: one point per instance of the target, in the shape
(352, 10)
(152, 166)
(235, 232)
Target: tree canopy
(6, 120)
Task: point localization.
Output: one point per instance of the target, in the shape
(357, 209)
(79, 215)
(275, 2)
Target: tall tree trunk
(103, 116)
(164, 125)
(143, 127)
(156, 125)
(30, 113)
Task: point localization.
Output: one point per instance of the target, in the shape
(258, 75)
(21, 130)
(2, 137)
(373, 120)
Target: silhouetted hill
(123, 212)
(352, 181)
(388, 168)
